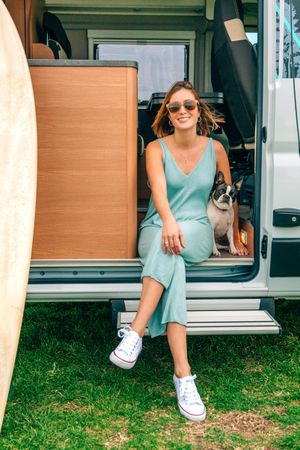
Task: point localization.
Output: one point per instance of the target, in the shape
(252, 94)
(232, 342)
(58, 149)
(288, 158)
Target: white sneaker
(126, 353)
(189, 401)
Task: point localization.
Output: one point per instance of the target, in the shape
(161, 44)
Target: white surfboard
(18, 173)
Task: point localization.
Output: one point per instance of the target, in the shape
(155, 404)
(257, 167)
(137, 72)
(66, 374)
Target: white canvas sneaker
(126, 353)
(189, 401)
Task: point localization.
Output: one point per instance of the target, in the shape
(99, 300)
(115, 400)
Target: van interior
(100, 70)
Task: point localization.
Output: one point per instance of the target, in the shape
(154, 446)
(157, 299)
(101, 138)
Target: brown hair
(208, 118)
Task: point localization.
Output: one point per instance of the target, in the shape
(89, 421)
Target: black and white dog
(220, 211)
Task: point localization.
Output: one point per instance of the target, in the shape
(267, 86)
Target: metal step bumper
(215, 316)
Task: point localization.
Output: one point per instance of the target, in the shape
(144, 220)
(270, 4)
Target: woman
(175, 233)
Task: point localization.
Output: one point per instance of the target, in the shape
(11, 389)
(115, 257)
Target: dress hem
(165, 327)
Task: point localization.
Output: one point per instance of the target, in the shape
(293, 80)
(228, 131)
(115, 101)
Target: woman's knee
(198, 240)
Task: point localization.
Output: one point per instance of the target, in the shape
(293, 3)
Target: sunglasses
(189, 105)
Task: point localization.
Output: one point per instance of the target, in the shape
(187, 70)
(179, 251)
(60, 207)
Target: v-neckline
(196, 164)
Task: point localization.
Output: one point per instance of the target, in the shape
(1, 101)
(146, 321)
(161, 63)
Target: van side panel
(281, 151)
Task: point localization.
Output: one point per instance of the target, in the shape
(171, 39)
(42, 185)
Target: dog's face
(224, 194)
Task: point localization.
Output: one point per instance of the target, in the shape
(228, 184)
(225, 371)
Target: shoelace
(188, 390)
(124, 331)
(129, 343)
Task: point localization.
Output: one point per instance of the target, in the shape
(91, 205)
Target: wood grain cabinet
(87, 160)
(28, 18)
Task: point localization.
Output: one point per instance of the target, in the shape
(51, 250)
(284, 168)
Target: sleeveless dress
(188, 197)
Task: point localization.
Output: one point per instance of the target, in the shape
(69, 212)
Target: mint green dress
(188, 197)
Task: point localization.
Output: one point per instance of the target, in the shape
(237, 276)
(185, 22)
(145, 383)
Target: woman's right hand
(172, 237)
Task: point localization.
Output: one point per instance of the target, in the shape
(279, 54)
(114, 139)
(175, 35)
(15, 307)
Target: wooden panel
(34, 10)
(87, 127)
(28, 17)
(17, 11)
(132, 126)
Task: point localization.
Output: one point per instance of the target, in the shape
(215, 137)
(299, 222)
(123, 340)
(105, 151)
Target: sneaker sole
(120, 362)
(193, 417)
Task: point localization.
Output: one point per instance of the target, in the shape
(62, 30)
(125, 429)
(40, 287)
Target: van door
(280, 208)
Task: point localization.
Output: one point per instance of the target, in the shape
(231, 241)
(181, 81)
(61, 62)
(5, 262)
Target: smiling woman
(192, 103)
(175, 233)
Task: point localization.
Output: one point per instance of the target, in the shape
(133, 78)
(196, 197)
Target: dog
(220, 211)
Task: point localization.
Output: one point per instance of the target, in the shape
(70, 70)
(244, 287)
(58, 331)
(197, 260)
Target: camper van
(99, 71)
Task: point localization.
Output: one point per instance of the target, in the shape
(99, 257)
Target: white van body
(277, 167)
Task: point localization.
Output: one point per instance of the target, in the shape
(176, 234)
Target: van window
(252, 36)
(159, 65)
(163, 56)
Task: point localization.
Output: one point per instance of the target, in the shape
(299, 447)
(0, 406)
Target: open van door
(280, 206)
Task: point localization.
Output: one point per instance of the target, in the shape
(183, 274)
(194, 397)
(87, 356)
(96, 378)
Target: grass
(67, 395)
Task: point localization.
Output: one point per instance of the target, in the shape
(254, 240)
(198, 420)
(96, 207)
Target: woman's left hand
(241, 249)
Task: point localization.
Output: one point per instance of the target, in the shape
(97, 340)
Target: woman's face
(183, 111)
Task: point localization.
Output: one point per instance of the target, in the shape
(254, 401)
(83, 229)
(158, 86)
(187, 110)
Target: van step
(209, 304)
(216, 317)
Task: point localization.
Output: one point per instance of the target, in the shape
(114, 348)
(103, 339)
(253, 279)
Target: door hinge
(264, 246)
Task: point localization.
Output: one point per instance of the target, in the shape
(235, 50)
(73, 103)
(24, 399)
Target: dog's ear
(220, 178)
(238, 183)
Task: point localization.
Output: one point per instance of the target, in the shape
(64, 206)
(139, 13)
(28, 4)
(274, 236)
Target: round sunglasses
(189, 105)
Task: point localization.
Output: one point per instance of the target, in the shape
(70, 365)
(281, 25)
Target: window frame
(161, 37)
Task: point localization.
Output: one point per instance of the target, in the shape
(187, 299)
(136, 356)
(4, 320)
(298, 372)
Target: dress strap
(213, 152)
(163, 147)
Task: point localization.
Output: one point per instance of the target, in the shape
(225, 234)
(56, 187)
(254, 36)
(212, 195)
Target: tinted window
(291, 39)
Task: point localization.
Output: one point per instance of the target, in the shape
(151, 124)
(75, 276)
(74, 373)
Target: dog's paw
(233, 251)
(216, 252)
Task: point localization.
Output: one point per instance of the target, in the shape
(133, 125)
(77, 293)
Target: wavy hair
(208, 120)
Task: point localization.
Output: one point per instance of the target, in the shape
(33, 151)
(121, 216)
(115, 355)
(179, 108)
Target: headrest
(229, 15)
(53, 26)
(229, 10)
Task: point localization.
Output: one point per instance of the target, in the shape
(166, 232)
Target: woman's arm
(172, 237)
(222, 164)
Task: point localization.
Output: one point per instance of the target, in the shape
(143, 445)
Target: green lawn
(67, 395)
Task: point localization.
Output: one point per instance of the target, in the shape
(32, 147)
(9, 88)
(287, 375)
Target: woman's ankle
(181, 372)
(137, 329)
